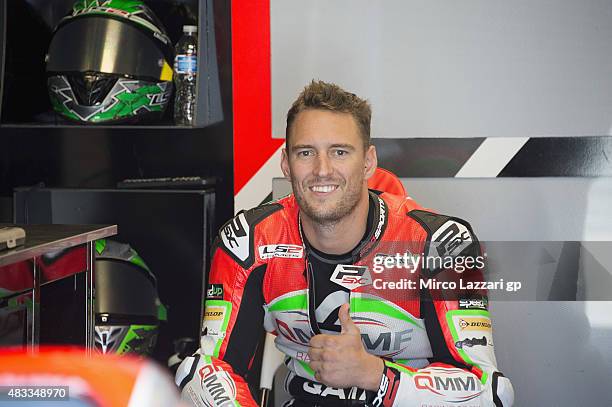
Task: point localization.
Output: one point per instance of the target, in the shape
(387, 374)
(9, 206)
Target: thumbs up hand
(347, 324)
(341, 360)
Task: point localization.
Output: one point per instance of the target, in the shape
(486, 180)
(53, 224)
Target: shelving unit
(44, 16)
(72, 155)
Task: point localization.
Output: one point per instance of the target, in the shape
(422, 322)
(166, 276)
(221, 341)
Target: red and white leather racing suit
(437, 345)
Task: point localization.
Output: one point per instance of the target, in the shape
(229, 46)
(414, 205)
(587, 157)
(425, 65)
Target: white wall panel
(475, 68)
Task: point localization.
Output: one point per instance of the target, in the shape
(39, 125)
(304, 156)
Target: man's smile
(323, 189)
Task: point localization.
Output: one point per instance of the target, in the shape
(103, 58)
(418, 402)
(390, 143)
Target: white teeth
(323, 188)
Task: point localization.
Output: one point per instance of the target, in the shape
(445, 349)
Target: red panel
(253, 143)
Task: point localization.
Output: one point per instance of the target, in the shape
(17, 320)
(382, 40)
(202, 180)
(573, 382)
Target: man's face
(327, 165)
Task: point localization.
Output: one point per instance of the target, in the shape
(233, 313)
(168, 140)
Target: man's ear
(285, 164)
(371, 162)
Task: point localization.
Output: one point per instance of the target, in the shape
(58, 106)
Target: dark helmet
(110, 61)
(127, 306)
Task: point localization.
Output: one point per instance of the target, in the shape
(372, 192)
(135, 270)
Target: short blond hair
(329, 96)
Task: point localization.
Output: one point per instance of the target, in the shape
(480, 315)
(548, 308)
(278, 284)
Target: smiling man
(328, 163)
(303, 268)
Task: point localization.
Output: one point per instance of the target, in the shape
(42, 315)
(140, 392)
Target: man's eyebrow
(345, 146)
(339, 145)
(310, 146)
(299, 146)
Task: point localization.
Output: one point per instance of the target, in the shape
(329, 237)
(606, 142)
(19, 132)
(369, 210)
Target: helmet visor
(101, 44)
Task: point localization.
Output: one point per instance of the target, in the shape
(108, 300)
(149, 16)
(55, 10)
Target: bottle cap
(190, 29)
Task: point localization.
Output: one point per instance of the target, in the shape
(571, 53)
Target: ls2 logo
(288, 251)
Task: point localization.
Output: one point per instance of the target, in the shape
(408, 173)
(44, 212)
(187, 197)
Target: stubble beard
(328, 217)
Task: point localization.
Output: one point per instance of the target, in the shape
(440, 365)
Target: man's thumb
(347, 324)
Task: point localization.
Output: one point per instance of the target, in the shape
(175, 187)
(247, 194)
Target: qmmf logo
(456, 388)
(219, 388)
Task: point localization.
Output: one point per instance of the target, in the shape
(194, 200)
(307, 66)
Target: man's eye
(341, 152)
(304, 153)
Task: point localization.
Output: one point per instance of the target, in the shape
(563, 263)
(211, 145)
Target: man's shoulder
(439, 225)
(397, 204)
(285, 207)
(428, 218)
(237, 236)
(447, 235)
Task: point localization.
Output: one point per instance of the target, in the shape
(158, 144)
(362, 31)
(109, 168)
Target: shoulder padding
(236, 236)
(447, 236)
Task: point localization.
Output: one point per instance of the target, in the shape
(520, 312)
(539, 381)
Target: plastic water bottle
(185, 73)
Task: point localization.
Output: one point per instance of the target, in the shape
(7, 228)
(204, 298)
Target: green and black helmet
(128, 310)
(110, 61)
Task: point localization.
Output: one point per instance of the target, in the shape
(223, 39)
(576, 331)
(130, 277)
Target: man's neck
(338, 237)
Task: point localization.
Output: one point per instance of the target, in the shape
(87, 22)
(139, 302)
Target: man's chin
(325, 219)
(324, 215)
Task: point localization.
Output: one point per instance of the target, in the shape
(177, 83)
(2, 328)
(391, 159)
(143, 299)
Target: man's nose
(322, 166)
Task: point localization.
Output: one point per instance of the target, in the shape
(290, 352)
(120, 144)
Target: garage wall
(475, 68)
